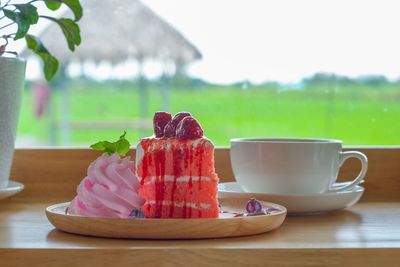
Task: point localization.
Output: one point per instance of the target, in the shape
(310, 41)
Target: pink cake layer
(178, 178)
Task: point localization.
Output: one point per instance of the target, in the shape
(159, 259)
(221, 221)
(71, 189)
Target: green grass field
(356, 114)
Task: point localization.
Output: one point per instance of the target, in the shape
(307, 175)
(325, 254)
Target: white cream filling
(181, 179)
(181, 204)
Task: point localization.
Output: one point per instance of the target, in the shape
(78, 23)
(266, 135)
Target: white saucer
(298, 203)
(11, 189)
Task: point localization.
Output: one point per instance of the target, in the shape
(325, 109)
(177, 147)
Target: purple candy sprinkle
(136, 213)
(254, 206)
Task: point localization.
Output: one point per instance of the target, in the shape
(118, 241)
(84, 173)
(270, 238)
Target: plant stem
(5, 26)
(8, 36)
(6, 4)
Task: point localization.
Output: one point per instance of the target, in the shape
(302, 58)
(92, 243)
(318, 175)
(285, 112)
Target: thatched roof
(116, 30)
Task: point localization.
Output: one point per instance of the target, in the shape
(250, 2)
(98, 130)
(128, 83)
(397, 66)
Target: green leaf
(74, 5)
(52, 5)
(98, 146)
(50, 66)
(10, 14)
(104, 146)
(35, 44)
(121, 146)
(50, 63)
(25, 16)
(70, 30)
(110, 148)
(22, 22)
(29, 12)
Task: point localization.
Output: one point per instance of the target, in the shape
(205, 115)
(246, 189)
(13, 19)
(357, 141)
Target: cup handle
(364, 166)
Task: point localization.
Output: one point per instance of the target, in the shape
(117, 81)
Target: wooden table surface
(367, 234)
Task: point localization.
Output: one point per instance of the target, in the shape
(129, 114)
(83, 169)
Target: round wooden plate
(225, 226)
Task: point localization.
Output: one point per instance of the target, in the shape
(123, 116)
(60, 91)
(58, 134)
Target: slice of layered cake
(176, 170)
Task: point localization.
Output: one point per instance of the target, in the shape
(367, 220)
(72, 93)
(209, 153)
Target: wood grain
(55, 173)
(181, 257)
(367, 234)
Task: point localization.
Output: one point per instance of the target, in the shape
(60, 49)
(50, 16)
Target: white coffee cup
(291, 166)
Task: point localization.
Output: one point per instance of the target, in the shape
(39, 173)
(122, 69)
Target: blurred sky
(283, 40)
(286, 40)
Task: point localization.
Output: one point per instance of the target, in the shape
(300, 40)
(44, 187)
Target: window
(327, 69)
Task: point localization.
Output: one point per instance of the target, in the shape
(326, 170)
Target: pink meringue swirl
(110, 189)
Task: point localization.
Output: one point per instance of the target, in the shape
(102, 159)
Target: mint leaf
(121, 146)
(109, 148)
(105, 146)
(98, 146)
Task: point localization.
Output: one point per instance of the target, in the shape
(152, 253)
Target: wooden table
(367, 234)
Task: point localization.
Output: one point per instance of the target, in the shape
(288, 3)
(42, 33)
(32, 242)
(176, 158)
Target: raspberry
(189, 128)
(170, 128)
(160, 119)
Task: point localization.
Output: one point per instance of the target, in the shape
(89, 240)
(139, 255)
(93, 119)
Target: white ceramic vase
(12, 78)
